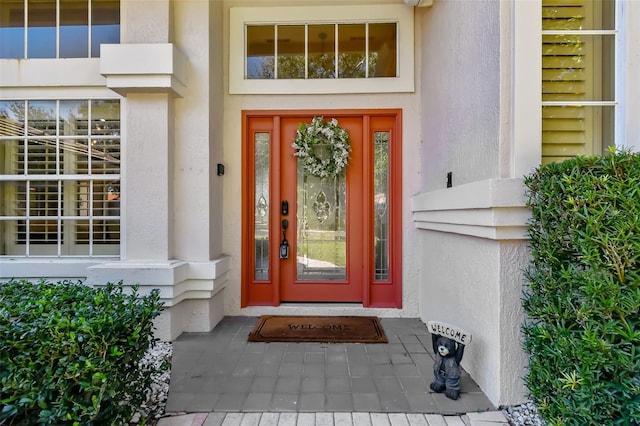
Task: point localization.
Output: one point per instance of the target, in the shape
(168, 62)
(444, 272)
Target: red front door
(342, 246)
(325, 229)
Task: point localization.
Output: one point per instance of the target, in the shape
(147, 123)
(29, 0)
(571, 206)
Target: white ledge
(42, 73)
(177, 280)
(494, 209)
(144, 68)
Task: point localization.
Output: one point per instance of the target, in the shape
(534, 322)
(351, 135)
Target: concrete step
(490, 418)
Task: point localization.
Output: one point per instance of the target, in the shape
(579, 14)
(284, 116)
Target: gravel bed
(523, 415)
(159, 356)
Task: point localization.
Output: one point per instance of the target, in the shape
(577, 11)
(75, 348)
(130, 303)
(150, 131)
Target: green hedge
(70, 354)
(582, 334)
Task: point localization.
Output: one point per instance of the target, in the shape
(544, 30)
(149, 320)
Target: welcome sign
(450, 331)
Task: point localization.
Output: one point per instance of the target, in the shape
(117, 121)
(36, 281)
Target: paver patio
(221, 372)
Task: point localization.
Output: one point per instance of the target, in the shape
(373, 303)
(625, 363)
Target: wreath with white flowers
(310, 140)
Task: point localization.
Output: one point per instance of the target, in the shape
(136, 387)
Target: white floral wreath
(329, 134)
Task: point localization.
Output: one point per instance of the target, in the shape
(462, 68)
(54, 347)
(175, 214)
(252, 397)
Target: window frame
(68, 214)
(617, 103)
(402, 15)
(91, 26)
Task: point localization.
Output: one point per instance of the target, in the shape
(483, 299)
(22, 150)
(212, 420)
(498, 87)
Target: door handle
(284, 245)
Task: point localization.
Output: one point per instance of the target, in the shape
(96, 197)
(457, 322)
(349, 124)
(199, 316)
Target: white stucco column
(167, 190)
(147, 188)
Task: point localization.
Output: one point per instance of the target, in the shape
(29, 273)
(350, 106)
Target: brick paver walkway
(219, 378)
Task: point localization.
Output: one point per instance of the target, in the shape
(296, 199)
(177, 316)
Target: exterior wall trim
(239, 16)
(494, 209)
(177, 280)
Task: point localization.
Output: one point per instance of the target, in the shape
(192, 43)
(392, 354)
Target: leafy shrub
(70, 354)
(582, 334)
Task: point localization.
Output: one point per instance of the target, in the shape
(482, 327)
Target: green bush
(582, 333)
(70, 354)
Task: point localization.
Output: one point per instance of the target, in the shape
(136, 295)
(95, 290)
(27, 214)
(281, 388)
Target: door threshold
(328, 309)
(322, 304)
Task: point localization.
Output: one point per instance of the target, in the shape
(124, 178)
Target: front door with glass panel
(310, 238)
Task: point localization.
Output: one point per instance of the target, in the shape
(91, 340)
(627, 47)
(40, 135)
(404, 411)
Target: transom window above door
(358, 50)
(321, 49)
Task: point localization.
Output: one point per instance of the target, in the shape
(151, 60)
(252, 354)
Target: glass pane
(578, 68)
(105, 156)
(383, 50)
(74, 157)
(322, 55)
(41, 24)
(81, 237)
(380, 205)
(261, 207)
(41, 118)
(291, 44)
(106, 198)
(41, 157)
(321, 240)
(44, 198)
(74, 28)
(10, 244)
(583, 15)
(82, 204)
(105, 24)
(106, 232)
(12, 29)
(44, 236)
(351, 51)
(11, 118)
(260, 52)
(73, 118)
(105, 118)
(11, 157)
(568, 131)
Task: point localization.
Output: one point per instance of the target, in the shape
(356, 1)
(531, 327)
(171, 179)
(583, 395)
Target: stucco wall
(233, 106)
(198, 191)
(474, 283)
(460, 72)
(465, 285)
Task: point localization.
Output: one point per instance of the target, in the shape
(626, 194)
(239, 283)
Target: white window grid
(26, 29)
(618, 35)
(402, 16)
(336, 51)
(66, 202)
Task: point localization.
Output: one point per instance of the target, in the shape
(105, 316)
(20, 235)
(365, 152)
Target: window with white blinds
(578, 77)
(60, 178)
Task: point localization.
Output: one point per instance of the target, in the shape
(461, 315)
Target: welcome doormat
(341, 329)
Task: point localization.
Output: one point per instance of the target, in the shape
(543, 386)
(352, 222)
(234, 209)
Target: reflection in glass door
(321, 239)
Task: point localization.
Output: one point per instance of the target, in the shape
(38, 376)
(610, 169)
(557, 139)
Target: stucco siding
(463, 283)
(460, 91)
(232, 137)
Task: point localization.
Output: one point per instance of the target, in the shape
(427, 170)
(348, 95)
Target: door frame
(375, 294)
